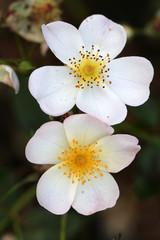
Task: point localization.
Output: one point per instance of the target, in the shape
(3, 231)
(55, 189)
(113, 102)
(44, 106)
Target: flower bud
(9, 77)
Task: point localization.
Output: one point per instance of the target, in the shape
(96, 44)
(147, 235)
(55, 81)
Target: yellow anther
(90, 69)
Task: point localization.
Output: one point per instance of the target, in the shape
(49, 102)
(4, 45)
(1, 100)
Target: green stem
(31, 178)
(63, 227)
(16, 222)
(18, 206)
(10, 60)
(21, 47)
(32, 50)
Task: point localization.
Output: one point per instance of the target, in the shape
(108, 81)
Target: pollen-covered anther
(91, 65)
(81, 162)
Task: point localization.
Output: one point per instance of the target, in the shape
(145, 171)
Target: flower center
(90, 69)
(81, 162)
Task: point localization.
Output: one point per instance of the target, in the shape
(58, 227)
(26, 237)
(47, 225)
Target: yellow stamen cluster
(81, 162)
(90, 69)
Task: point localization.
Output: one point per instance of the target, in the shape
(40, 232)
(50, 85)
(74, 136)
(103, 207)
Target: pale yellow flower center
(81, 162)
(91, 69)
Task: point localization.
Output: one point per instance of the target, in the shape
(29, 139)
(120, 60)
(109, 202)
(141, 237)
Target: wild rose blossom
(9, 77)
(91, 78)
(82, 152)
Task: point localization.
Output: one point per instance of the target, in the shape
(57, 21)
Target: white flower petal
(54, 89)
(86, 129)
(9, 77)
(47, 144)
(55, 191)
(63, 39)
(130, 77)
(105, 34)
(102, 103)
(96, 195)
(118, 151)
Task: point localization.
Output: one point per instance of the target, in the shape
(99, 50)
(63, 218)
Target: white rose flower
(82, 153)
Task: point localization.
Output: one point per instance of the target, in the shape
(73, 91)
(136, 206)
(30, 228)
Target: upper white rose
(83, 152)
(91, 78)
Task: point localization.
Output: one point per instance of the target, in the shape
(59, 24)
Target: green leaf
(24, 67)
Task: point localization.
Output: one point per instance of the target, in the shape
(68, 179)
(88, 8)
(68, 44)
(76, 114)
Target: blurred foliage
(118, 237)
(71, 5)
(28, 114)
(135, 13)
(147, 176)
(26, 17)
(27, 223)
(145, 126)
(148, 113)
(37, 217)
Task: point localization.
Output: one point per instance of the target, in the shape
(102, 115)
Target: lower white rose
(82, 152)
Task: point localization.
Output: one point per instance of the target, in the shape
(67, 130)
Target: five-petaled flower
(91, 78)
(82, 152)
